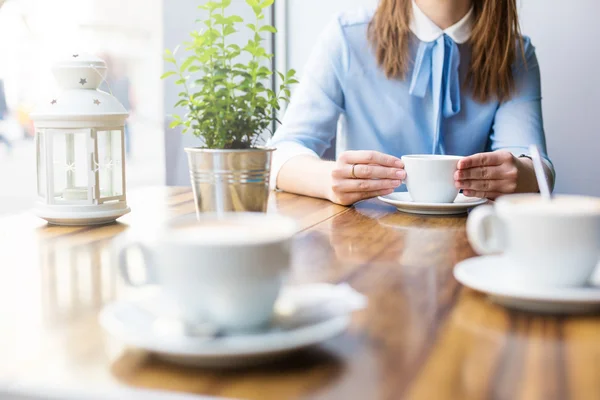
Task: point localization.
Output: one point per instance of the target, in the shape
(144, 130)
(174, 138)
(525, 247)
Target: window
(70, 166)
(109, 163)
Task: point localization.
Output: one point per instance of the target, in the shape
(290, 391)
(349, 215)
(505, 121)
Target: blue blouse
(345, 95)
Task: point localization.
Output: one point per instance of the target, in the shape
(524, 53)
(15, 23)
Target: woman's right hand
(360, 175)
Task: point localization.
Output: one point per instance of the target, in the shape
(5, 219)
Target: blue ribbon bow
(438, 62)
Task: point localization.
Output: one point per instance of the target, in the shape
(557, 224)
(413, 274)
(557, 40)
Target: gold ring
(353, 174)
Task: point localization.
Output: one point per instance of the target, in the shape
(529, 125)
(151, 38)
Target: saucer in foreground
(127, 321)
(403, 202)
(485, 274)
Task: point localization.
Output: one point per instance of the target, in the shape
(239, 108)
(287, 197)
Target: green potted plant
(230, 106)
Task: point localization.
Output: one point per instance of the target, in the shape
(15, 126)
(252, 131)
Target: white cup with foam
(226, 270)
(552, 243)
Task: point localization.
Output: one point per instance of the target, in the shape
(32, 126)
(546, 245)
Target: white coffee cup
(430, 178)
(223, 270)
(546, 244)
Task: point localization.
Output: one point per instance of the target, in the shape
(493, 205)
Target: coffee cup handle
(483, 220)
(149, 268)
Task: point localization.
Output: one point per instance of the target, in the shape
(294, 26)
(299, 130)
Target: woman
(415, 77)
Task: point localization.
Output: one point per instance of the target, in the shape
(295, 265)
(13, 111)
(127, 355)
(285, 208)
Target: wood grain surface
(422, 336)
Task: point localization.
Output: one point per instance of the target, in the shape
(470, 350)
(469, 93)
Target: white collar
(427, 31)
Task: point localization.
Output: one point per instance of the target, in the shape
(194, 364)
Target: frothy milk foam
(230, 232)
(558, 205)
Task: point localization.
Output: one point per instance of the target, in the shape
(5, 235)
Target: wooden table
(423, 336)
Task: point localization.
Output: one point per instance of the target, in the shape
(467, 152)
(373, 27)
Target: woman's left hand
(490, 175)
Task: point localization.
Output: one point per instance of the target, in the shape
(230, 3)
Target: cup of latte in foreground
(430, 178)
(224, 270)
(551, 243)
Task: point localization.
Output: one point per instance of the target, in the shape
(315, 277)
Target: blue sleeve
(518, 122)
(312, 116)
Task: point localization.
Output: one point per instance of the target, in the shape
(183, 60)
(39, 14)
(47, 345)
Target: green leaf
(168, 74)
(174, 124)
(234, 19)
(265, 71)
(229, 30)
(250, 48)
(267, 3)
(182, 102)
(251, 26)
(260, 52)
(220, 19)
(186, 64)
(210, 6)
(268, 28)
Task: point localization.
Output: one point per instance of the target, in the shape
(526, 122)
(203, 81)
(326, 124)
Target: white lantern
(80, 147)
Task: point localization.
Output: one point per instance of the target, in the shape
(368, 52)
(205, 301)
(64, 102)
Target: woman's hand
(360, 175)
(490, 175)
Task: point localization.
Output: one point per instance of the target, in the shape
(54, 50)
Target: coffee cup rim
(165, 233)
(431, 157)
(507, 203)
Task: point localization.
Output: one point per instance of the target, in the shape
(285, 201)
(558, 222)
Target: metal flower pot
(230, 180)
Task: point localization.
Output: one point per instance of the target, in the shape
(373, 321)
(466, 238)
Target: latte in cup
(430, 178)
(217, 232)
(559, 204)
(545, 243)
(225, 270)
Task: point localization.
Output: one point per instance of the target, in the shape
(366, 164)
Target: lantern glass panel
(110, 163)
(41, 164)
(70, 157)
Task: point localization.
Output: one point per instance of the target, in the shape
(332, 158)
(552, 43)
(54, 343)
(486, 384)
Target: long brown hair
(493, 44)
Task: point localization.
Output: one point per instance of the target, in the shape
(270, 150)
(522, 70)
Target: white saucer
(485, 274)
(330, 308)
(403, 202)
